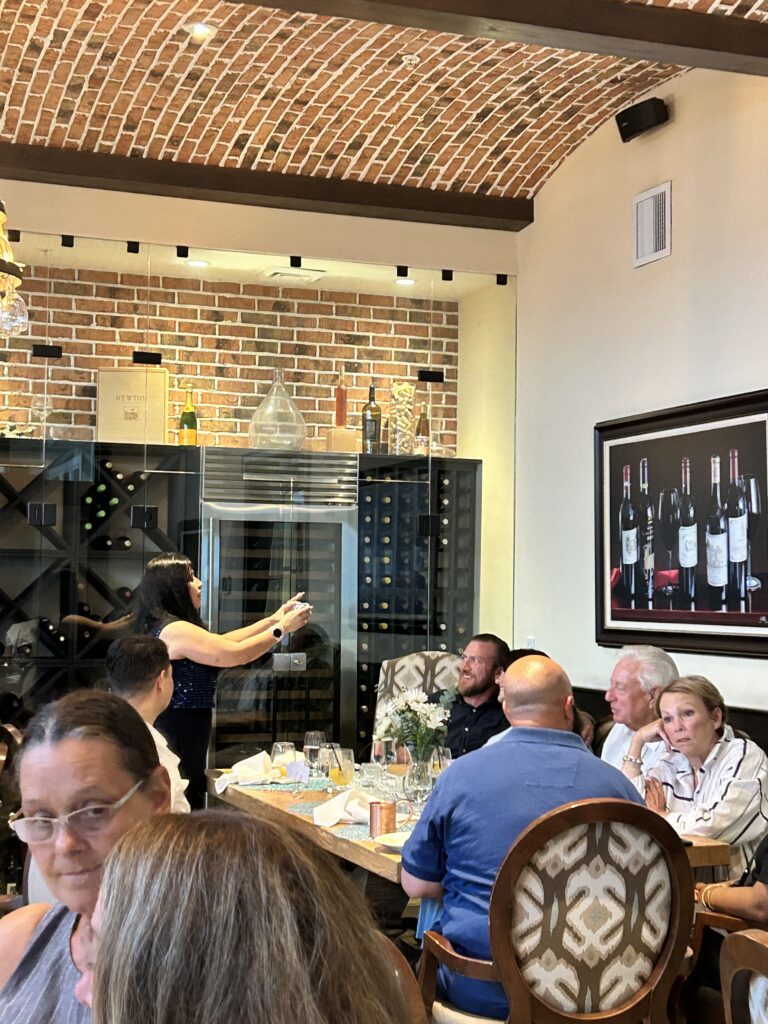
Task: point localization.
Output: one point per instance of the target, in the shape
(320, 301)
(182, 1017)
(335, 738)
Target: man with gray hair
(640, 672)
(481, 805)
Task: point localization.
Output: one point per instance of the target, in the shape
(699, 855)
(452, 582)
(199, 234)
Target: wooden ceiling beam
(262, 188)
(633, 30)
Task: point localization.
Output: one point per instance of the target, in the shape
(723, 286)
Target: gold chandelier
(14, 318)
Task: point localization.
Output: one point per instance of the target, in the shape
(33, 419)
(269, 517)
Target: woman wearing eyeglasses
(88, 770)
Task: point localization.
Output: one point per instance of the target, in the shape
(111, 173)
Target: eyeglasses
(88, 821)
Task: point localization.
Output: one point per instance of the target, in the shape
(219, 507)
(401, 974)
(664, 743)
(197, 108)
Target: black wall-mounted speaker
(641, 117)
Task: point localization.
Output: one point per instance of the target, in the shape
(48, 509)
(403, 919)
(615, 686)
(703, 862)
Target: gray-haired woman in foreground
(217, 916)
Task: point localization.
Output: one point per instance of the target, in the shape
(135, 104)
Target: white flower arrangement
(413, 721)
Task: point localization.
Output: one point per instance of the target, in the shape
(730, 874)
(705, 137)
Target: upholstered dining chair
(744, 976)
(590, 915)
(423, 670)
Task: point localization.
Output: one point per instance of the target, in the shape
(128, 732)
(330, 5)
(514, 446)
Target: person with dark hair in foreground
(88, 771)
(480, 806)
(224, 917)
(169, 609)
(139, 671)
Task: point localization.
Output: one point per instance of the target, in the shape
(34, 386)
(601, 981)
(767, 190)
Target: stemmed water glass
(669, 525)
(751, 485)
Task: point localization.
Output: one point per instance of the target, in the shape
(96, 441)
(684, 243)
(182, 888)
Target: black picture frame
(669, 607)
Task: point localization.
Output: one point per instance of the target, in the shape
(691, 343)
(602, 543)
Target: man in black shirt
(476, 713)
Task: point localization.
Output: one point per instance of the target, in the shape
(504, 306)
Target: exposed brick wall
(227, 338)
(305, 95)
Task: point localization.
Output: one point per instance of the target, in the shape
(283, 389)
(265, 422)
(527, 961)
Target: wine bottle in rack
(135, 481)
(688, 539)
(647, 514)
(736, 514)
(629, 525)
(123, 543)
(371, 416)
(102, 543)
(717, 542)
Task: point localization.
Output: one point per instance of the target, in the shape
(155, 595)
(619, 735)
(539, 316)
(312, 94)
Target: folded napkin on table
(258, 769)
(352, 806)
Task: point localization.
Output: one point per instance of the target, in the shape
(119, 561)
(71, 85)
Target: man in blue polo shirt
(485, 800)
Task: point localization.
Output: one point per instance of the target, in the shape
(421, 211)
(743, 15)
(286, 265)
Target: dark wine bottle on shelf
(108, 469)
(135, 481)
(124, 593)
(717, 542)
(688, 539)
(371, 424)
(646, 514)
(629, 525)
(736, 514)
(102, 543)
(123, 543)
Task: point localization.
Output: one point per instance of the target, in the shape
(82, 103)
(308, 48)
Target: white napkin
(352, 806)
(255, 770)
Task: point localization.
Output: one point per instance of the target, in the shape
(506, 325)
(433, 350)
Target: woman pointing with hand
(169, 608)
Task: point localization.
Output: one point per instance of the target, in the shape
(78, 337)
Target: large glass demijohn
(277, 423)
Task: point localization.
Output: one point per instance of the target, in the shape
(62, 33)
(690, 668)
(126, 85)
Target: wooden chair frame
(650, 1002)
(743, 953)
(406, 981)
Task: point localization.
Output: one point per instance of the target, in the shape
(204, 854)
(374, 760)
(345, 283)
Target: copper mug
(383, 816)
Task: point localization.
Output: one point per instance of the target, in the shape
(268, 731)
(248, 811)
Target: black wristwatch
(277, 633)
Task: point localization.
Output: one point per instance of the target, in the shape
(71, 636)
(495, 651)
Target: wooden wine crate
(132, 405)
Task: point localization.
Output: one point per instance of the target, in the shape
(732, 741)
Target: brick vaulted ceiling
(308, 96)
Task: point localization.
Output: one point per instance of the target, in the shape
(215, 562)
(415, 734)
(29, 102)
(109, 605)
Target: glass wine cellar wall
(385, 547)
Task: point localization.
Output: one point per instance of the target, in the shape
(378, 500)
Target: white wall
(598, 340)
(487, 432)
(94, 213)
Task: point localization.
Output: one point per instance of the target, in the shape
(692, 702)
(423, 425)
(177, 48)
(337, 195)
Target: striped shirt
(728, 799)
(42, 988)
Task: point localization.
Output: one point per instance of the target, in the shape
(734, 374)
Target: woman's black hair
(164, 593)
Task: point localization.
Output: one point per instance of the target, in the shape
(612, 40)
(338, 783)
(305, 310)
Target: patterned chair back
(423, 670)
(591, 910)
(744, 975)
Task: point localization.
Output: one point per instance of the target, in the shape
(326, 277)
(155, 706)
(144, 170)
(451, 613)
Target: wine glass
(283, 751)
(440, 760)
(751, 486)
(341, 771)
(311, 748)
(383, 751)
(669, 525)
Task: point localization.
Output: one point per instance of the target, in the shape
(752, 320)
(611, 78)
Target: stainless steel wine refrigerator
(273, 525)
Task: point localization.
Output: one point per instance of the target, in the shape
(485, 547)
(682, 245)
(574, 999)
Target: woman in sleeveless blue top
(88, 771)
(169, 608)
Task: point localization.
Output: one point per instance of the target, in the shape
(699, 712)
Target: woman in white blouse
(709, 782)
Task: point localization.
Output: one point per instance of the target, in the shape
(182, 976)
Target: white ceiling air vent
(653, 224)
(291, 275)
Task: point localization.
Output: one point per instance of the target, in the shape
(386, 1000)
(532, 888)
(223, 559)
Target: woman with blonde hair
(221, 917)
(709, 782)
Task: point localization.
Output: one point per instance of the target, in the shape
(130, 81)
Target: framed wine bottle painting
(682, 527)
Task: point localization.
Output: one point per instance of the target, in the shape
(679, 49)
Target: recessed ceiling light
(404, 280)
(198, 263)
(199, 31)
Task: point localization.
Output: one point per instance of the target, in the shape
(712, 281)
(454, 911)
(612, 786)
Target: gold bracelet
(704, 899)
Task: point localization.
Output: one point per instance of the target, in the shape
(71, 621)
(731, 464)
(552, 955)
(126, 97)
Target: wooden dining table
(367, 854)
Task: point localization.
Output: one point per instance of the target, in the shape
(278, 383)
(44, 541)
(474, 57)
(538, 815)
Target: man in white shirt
(640, 672)
(140, 672)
